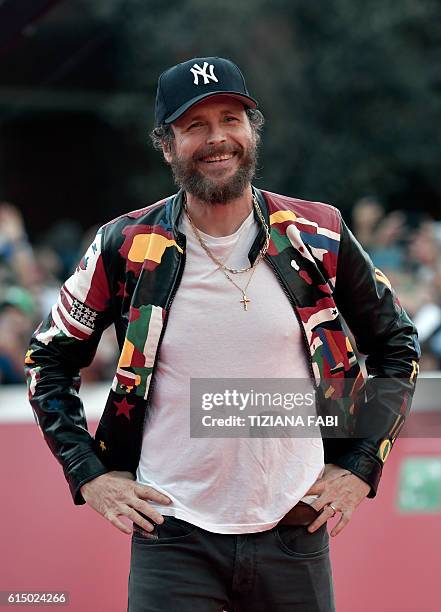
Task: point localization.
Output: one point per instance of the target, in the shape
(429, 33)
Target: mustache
(208, 151)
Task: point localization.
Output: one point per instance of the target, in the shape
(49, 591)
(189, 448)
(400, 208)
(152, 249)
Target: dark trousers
(184, 568)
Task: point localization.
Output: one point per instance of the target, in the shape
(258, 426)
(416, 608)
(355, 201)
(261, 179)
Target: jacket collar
(176, 204)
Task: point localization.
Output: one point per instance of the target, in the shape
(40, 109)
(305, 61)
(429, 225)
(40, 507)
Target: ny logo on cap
(198, 71)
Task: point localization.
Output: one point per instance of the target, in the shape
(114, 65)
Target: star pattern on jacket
(123, 408)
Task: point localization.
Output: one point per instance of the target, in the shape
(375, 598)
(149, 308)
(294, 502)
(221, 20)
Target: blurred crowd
(30, 279)
(407, 249)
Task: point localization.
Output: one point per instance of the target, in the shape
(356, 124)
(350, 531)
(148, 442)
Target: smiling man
(222, 280)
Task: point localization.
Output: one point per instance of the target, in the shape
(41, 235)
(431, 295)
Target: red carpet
(383, 561)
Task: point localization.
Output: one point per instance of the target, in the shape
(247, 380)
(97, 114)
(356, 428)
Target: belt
(301, 514)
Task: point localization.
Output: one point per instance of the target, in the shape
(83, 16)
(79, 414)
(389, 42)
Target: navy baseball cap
(184, 85)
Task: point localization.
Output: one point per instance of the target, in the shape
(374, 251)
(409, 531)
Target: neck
(220, 219)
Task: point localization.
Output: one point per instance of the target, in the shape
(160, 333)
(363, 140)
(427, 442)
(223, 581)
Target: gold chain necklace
(245, 301)
(217, 261)
(225, 269)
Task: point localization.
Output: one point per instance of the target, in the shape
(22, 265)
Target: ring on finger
(334, 508)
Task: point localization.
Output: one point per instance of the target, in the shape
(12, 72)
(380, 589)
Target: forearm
(63, 344)
(388, 338)
(53, 392)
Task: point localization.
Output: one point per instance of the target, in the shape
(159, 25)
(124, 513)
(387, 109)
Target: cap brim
(247, 100)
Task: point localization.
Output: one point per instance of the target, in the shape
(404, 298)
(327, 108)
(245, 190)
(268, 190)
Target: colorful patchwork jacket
(129, 276)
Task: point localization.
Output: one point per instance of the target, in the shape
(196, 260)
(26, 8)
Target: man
(222, 280)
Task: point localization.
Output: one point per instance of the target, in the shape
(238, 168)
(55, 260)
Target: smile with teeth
(217, 158)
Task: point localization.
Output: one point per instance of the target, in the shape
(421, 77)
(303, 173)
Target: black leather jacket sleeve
(385, 334)
(53, 364)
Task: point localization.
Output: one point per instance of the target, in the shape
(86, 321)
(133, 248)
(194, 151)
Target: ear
(166, 152)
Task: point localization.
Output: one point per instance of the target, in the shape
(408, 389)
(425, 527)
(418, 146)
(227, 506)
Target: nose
(216, 134)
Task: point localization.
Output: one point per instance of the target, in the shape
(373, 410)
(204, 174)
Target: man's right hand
(117, 494)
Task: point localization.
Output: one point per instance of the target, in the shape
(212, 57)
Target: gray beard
(187, 177)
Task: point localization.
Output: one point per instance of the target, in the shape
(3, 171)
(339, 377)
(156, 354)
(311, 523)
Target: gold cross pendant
(245, 301)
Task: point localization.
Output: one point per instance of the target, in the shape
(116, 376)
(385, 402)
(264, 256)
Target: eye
(230, 118)
(195, 124)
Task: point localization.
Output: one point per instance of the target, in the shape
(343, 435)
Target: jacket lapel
(297, 251)
(161, 249)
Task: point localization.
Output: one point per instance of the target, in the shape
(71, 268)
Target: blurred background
(351, 94)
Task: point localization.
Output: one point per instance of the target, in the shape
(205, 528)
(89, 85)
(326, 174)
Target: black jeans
(187, 569)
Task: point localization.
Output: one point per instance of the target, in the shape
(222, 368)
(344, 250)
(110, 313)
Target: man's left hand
(343, 490)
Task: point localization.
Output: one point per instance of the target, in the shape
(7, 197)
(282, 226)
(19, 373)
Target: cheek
(246, 138)
(186, 148)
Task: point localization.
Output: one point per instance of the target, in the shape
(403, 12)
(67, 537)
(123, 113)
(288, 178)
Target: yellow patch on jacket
(282, 215)
(150, 246)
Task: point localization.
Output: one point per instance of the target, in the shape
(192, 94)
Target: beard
(215, 191)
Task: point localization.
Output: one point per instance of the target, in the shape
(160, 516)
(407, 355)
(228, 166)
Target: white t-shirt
(225, 485)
